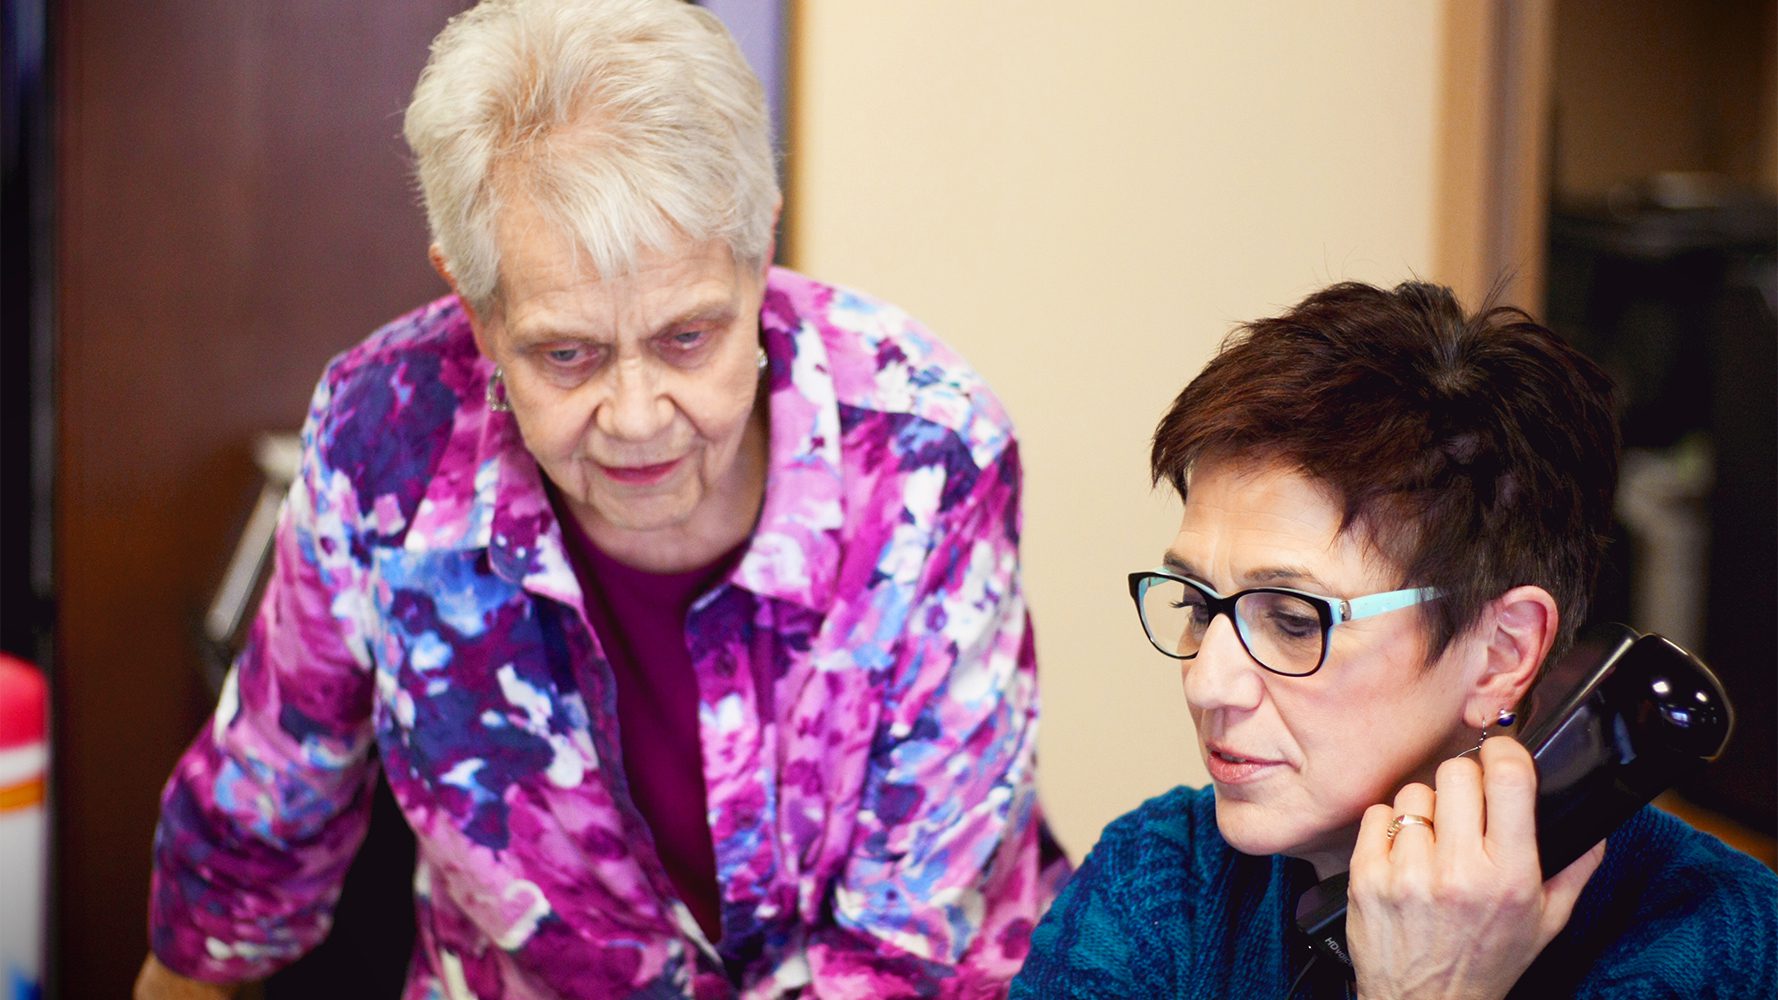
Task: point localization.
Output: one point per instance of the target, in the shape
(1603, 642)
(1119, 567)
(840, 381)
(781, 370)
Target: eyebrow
(1295, 577)
(702, 312)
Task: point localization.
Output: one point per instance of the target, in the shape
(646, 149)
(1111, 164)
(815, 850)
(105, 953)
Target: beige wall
(1082, 198)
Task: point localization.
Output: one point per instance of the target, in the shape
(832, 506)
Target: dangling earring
(763, 360)
(1504, 720)
(496, 395)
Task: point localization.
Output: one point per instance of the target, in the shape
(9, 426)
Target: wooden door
(234, 207)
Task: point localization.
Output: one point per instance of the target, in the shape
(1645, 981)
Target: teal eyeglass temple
(1377, 604)
(1332, 611)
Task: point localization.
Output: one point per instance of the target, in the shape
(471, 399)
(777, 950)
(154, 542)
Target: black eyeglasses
(1284, 630)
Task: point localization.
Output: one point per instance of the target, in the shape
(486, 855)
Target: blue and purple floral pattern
(867, 696)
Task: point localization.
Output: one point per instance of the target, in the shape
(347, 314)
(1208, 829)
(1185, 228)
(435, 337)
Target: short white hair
(624, 123)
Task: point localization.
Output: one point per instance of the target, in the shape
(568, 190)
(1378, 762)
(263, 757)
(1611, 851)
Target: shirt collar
(795, 551)
(486, 491)
(525, 543)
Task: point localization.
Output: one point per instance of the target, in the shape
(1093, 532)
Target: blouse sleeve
(267, 806)
(942, 885)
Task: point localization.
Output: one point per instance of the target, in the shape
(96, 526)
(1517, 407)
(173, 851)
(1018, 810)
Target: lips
(1228, 767)
(639, 475)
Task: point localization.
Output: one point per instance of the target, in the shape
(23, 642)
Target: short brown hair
(1477, 452)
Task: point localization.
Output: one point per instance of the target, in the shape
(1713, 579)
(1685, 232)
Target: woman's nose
(636, 408)
(1222, 675)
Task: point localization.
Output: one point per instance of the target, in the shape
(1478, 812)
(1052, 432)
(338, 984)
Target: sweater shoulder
(1672, 911)
(1122, 922)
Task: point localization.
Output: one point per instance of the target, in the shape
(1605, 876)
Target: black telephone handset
(1618, 720)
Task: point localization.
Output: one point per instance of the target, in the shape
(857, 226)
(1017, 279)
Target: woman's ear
(437, 257)
(1516, 633)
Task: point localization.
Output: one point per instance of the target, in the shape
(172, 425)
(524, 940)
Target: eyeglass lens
(1281, 631)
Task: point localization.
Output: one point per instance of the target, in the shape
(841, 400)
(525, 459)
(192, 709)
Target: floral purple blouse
(868, 700)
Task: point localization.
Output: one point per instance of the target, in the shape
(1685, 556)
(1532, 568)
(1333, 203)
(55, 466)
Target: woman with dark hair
(1394, 514)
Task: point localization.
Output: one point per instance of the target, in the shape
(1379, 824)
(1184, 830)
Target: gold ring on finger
(1405, 819)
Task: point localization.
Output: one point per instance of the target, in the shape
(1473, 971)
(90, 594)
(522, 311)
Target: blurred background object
(1663, 265)
(205, 201)
(26, 458)
(27, 415)
(24, 825)
(231, 610)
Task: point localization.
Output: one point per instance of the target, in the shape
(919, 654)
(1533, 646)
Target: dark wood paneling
(234, 207)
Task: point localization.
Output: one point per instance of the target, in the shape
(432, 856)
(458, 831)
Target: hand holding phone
(1465, 911)
(1617, 721)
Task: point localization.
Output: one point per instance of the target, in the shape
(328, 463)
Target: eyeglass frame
(1332, 610)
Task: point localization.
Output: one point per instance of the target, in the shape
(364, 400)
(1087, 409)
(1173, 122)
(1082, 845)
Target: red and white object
(24, 863)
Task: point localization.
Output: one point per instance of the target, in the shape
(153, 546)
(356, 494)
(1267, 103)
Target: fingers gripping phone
(1618, 720)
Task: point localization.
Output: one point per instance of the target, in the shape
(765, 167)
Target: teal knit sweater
(1163, 907)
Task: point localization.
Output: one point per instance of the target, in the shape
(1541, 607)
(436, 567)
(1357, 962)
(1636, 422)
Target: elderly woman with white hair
(676, 595)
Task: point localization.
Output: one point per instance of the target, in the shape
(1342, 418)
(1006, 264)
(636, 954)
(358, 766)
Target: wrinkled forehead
(542, 259)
